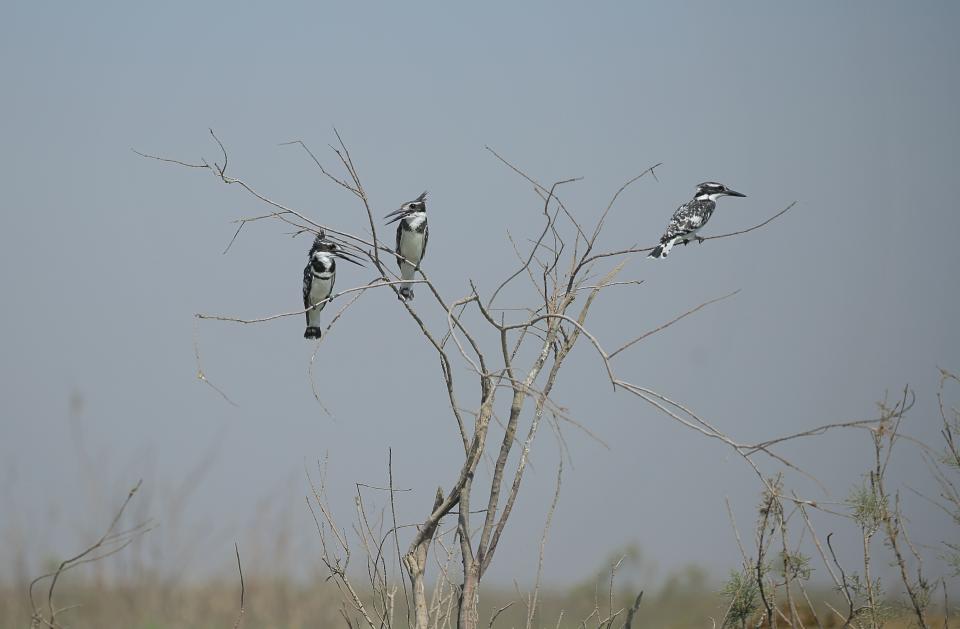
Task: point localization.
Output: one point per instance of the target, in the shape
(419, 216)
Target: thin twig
(671, 322)
(236, 624)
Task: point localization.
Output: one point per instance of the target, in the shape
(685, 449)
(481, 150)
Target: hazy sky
(848, 108)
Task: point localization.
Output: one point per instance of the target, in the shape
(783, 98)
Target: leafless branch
(636, 249)
(242, 588)
(376, 283)
(396, 539)
(111, 542)
(201, 374)
(669, 323)
(534, 598)
(497, 613)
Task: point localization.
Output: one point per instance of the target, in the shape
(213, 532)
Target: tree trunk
(416, 562)
(468, 617)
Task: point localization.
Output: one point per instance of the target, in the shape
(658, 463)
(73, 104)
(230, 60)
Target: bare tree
(567, 269)
(112, 541)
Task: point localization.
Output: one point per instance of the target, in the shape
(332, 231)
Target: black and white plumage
(412, 236)
(319, 276)
(692, 216)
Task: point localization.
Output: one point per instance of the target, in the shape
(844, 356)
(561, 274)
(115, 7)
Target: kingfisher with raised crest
(692, 216)
(318, 278)
(412, 235)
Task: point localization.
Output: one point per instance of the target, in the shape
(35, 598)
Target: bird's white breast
(320, 287)
(411, 242)
(416, 219)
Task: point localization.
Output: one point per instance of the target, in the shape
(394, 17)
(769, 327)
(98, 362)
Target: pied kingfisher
(412, 235)
(691, 216)
(318, 278)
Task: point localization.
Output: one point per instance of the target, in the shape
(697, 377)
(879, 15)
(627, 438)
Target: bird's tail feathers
(407, 272)
(312, 332)
(661, 250)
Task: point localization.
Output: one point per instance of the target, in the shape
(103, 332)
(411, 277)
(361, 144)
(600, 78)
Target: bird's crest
(320, 243)
(419, 204)
(709, 186)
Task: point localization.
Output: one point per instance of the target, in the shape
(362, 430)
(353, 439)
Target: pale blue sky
(848, 108)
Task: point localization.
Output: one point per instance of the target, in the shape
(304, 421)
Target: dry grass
(685, 600)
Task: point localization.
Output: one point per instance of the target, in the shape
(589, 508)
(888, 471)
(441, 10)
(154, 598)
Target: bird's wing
(307, 278)
(687, 218)
(426, 237)
(399, 235)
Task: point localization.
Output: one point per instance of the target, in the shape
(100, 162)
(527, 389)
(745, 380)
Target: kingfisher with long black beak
(692, 216)
(318, 278)
(412, 235)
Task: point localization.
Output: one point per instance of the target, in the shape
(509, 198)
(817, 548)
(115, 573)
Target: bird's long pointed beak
(397, 213)
(734, 193)
(349, 257)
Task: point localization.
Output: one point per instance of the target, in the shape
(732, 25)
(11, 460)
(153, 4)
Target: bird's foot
(700, 239)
